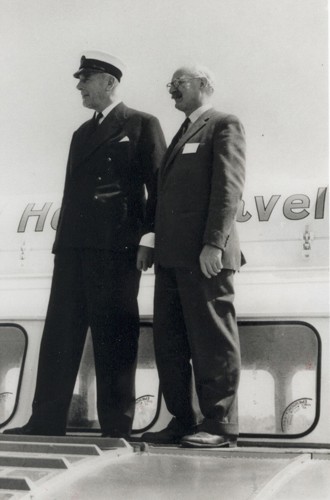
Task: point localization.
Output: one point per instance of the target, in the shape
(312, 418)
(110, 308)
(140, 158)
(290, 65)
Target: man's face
(186, 91)
(93, 88)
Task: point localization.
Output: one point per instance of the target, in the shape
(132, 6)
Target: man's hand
(145, 258)
(210, 261)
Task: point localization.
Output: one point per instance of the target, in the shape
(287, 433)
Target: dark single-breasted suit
(104, 213)
(200, 187)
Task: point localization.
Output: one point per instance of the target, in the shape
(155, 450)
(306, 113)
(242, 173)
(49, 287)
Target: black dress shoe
(31, 430)
(206, 440)
(172, 434)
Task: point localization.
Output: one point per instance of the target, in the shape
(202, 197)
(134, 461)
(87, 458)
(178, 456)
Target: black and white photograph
(164, 250)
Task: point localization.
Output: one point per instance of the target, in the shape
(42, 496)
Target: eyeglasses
(180, 81)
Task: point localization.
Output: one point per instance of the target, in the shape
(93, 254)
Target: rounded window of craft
(12, 354)
(280, 378)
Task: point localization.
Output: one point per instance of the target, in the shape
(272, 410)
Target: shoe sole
(173, 441)
(189, 444)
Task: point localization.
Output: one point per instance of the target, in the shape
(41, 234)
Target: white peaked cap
(94, 61)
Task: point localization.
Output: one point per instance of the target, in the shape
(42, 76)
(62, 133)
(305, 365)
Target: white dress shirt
(198, 112)
(107, 110)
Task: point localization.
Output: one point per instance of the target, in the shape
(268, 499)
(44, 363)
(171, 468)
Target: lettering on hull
(295, 207)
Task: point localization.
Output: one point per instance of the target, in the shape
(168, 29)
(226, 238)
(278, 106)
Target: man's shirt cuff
(148, 240)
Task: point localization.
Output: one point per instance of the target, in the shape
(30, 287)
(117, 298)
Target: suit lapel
(111, 130)
(111, 127)
(192, 130)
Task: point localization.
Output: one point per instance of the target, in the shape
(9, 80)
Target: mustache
(176, 94)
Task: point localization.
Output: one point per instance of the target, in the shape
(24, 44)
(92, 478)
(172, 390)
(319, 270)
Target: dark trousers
(194, 319)
(99, 289)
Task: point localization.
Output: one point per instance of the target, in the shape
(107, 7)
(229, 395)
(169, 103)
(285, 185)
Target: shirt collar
(107, 110)
(198, 112)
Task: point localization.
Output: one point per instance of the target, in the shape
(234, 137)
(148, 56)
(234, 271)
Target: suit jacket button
(96, 197)
(99, 178)
(109, 159)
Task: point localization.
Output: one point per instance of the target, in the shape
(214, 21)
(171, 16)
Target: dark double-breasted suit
(200, 187)
(104, 213)
(104, 203)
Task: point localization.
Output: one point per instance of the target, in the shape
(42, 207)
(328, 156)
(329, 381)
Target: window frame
(149, 323)
(242, 323)
(143, 323)
(22, 367)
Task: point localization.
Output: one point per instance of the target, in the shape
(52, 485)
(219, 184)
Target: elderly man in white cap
(100, 249)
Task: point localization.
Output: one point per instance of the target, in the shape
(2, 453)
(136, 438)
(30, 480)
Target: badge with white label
(190, 147)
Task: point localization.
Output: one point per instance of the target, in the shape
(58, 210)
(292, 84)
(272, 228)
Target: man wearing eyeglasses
(197, 253)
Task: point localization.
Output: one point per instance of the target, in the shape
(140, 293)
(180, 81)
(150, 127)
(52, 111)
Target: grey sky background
(269, 57)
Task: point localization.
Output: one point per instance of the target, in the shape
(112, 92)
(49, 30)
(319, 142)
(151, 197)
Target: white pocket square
(124, 139)
(190, 147)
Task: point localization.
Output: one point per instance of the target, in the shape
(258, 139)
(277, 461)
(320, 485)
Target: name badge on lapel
(190, 147)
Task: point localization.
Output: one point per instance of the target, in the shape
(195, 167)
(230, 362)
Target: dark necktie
(95, 122)
(98, 118)
(182, 130)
